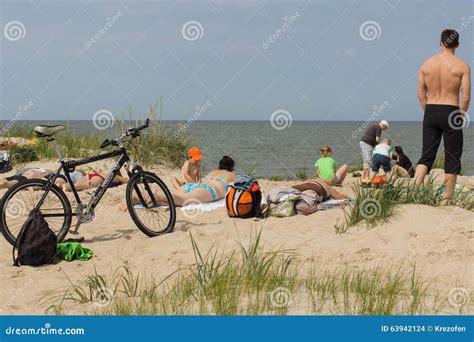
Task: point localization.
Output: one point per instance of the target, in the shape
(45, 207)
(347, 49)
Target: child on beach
(381, 158)
(326, 168)
(191, 170)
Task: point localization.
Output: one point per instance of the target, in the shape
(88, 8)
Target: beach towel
(204, 206)
(200, 206)
(331, 203)
(73, 251)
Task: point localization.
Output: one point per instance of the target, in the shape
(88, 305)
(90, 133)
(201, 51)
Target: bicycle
(146, 194)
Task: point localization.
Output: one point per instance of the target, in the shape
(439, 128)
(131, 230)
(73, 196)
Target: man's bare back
(441, 78)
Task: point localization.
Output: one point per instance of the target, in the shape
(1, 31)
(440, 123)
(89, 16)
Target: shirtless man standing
(440, 79)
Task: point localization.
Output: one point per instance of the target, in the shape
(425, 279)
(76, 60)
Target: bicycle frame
(70, 165)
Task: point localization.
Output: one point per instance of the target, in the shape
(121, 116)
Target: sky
(221, 60)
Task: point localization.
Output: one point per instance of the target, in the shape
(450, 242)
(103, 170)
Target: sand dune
(437, 240)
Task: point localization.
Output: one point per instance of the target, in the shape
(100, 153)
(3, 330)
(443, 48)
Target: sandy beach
(437, 240)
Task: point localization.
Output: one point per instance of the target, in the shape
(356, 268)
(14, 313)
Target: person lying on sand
(381, 158)
(86, 181)
(191, 170)
(403, 167)
(212, 188)
(24, 174)
(320, 188)
(326, 168)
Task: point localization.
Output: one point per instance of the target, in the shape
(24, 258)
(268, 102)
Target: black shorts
(380, 160)
(437, 125)
(17, 178)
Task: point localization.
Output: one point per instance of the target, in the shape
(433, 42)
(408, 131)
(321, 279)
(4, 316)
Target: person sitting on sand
(381, 158)
(403, 167)
(212, 188)
(326, 168)
(191, 170)
(88, 181)
(22, 175)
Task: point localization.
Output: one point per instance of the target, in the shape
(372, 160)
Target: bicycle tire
(17, 189)
(132, 185)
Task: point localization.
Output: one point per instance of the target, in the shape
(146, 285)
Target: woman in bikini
(212, 188)
(88, 181)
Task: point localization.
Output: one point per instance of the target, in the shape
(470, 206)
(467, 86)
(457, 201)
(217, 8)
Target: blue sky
(319, 65)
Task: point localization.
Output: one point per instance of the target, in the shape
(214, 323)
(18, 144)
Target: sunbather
(191, 170)
(90, 181)
(326, 168)
(24, 174)
(212, 188)
(319, 188)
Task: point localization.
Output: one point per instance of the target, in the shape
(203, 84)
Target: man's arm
(378, 133)
(466, 89)
(422, 88)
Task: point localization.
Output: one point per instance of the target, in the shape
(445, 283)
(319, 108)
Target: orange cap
(195, 153)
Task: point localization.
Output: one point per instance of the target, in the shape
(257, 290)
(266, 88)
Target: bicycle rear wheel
(150, 204)
(21, 199)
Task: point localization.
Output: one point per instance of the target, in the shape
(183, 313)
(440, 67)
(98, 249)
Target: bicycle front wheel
(150, 204)
(21, 199)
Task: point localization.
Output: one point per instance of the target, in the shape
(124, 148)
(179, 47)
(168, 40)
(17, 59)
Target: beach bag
(244, 202)
(36, 242)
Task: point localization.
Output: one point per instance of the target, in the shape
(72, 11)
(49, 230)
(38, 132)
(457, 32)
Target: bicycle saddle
(47, 131)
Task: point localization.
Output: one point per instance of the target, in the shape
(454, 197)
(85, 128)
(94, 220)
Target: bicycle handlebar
(132, 132)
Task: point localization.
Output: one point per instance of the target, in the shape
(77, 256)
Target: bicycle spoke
(153, 212)
(23, 201)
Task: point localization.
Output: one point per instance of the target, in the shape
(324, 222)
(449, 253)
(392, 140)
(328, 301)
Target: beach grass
(253, 281)
(375, 206)
(355, 167)
(153, 147)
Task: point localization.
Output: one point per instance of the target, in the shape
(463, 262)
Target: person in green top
(326, 168)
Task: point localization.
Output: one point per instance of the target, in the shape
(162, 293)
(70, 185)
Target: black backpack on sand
(36, 242)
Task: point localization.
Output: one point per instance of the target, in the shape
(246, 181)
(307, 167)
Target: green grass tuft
(251, 281)
(376, 206)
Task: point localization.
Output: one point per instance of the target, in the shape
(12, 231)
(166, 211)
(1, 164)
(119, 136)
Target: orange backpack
(243, 203)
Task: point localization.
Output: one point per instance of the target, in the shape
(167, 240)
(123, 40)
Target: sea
(283, 149)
